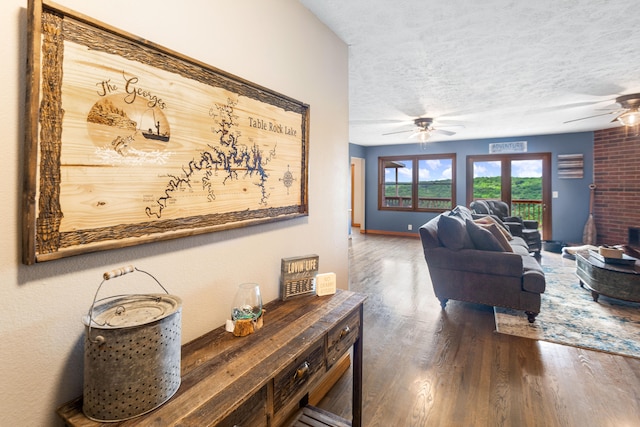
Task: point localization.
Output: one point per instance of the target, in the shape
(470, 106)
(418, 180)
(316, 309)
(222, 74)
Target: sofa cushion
(520, 250)
(482, 238)
(519, 246)
(453, 233)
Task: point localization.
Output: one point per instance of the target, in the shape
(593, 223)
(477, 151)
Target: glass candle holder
(247, 303)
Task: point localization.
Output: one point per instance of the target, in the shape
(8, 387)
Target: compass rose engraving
(287, 179)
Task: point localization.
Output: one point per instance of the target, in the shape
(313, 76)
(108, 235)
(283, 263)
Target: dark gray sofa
(465, 264)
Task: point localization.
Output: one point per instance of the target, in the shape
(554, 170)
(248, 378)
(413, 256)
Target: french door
(523, 181)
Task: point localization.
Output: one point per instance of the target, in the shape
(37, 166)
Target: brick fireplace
(616, 158)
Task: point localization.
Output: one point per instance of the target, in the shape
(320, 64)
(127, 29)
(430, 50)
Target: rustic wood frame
(250, 168)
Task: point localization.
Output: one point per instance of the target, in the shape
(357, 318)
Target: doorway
(523, 181)
(357, 193)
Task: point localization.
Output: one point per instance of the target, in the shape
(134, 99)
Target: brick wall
(616, 158)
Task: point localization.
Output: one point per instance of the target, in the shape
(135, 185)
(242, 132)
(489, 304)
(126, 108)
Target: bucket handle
(112, 275)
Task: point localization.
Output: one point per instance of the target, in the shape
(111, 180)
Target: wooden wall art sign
(570, 166)
(128, 142)
(298, 275)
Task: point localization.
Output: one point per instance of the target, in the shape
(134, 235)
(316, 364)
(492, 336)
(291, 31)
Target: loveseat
(469, 261)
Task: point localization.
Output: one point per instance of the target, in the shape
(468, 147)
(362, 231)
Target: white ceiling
(499, 67)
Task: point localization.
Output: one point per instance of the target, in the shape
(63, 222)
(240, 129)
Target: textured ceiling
(498, 67)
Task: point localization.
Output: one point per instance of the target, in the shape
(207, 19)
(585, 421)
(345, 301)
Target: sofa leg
(531, 316)
(443, 302)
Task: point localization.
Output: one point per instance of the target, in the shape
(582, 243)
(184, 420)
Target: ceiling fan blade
(444, 132)
(609, 107)
(379, 122)
(590, 117)
(400, 131)
(424, 128)
(554, 108)
(449, 124)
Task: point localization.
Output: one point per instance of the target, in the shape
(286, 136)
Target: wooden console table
(261, 379)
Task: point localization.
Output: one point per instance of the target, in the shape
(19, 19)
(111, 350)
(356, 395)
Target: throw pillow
(452, 232)
(462, 212)
(494, 229)
(491, 220)
(482, 238)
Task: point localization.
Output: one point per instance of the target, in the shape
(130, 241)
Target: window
(417, 183)
(522, 180)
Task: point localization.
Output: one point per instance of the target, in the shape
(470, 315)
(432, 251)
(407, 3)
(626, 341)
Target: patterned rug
(570, 316)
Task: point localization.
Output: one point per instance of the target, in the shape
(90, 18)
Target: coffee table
(611, 280)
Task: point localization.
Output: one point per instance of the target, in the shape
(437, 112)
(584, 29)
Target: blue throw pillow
(453, 233)
(482, 238)
(462, 212)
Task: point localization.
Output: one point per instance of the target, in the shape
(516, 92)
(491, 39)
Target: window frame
(415, 182)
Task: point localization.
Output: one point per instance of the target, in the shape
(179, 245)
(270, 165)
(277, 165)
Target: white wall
(274, 43)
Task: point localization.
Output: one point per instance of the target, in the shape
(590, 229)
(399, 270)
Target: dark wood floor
(428, 367)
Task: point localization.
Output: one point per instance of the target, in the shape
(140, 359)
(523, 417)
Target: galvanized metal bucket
(131, 352)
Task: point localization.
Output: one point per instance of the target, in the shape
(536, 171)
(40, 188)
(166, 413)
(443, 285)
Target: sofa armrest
(476, 261)
(530, 223)
(533, 281)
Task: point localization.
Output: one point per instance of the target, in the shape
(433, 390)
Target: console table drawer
(297, 375)
(342, 337)
(252, 413)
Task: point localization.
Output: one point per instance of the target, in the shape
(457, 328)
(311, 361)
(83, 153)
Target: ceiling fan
(424, 128)
(629, 111)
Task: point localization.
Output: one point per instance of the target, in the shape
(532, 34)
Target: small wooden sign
(298, 274)
(325, 284)
(508, 147)
(570, 166)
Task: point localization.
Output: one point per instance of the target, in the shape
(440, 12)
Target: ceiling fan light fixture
(424, 135)
(630, 118)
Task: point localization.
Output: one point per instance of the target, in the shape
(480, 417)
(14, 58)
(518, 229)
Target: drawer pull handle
(302, 371)
(345, 332)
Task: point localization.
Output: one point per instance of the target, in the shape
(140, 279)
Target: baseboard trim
(391, 233)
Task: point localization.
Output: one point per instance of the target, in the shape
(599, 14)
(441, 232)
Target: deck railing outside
(527, 209)
(434, 203)
(423, 202)
(397, 202)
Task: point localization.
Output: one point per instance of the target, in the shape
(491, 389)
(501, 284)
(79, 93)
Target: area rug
(569, 316)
